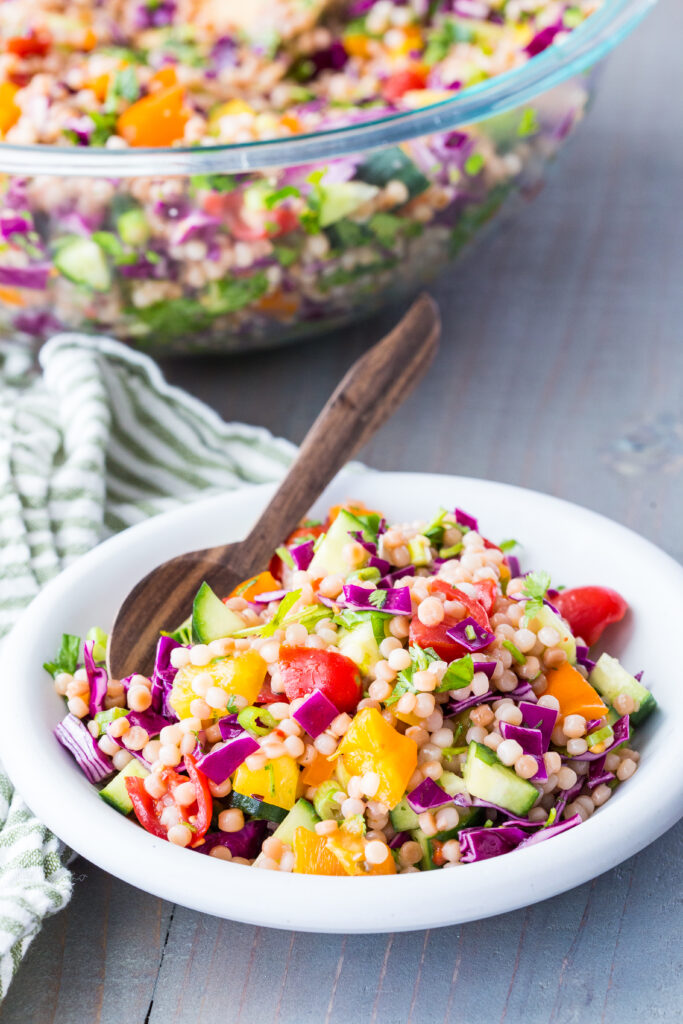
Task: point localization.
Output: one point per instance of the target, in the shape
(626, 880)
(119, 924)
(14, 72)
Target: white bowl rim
(272, 899)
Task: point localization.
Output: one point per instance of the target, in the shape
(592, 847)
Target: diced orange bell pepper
(100, 86)
(357, 508)
(262, 583)
(164, 78)
(88, 40)
(348, 848)
(156, 120)
(9, 111)
(11, 297)
(278, 304)
(575, 695)
(357, 45)
(311, 856)
(292, 122)
(371, 744)
(319, 770)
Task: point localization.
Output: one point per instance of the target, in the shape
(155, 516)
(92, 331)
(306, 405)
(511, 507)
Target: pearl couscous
(380, 700)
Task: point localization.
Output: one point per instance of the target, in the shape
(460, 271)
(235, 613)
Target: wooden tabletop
(560, 369)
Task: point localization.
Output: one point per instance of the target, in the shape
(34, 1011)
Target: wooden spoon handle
(366, 397)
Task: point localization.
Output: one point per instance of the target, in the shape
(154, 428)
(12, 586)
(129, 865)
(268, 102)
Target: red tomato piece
(589, 609)
(148, 810)
(33, 44)
(299, 535)
(304, 669)
(402, 82)
(487, 592)
(436, 636)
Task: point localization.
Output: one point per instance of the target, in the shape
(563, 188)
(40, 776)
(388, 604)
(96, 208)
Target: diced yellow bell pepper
(311, 856)
(348, 847)
(241, 675)
(371, 744)
(230, 109)
(276, 783)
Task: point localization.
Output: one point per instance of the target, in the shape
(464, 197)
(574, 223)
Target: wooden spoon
(368, 395)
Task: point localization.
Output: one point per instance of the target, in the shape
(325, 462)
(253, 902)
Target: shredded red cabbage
(548, 831)
(245, 843)
(487, 667)
(530, 740)
(597, 773)
(396, 600)
(217, 765)
(465, 519)
(523, 690)
(535, 716)
(399, 839)
(427, 796)
(34, 276)
(621, 730)
(483, 843)
(470, 635)
(316, 713)
(83, 747)
(229, 727)
(97, 678)
(389, 579)
(268, 596)
(162, 677)
(583, 659)
(513, 566)
(302, 554)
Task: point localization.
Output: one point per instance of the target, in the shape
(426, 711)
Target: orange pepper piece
(9, 111)
(319, 770)
(100, 86)
(292, 122)
(311, 856)
(575, 695)
(164, 78)
(349, 849)
(278, 304)
(12, 297)
(262, 583)
(89, 40)
(156, 120)
(371, 744)
(357, 45)
(356, 508)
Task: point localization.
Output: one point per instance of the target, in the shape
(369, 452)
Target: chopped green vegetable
(66, 658)
(515, 652)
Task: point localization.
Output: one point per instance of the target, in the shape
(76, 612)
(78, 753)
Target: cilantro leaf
(458, 675)
(378, 598)
(66, 658)
(509, 545)
(535, 588)
(435, 528)
(420, 660)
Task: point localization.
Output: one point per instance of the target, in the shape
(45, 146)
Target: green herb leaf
(123, 86)
(213, 182)
(535, 588)
(474, 164)
(104, 127)
(435, 528)
(273, 198)
(509, 545)
(458, 675)
(528, 123)
(66, 658)
(515, 652)
(286, 556)
(378, 598)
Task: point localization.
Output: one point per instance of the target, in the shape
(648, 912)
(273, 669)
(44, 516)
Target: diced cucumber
(419, 550)
(133, 227)
(452, 783)
(82, 261)
(257, 808)
(329, 558)
(211, 620)
(486, 777)
(360, 645)
(115, 792)
(611, 680)
(302, 815)
(339, 200)
(547, 617)
(392, 164)
(426, 864)
(403, 817)
(103, 718)
(468, 816)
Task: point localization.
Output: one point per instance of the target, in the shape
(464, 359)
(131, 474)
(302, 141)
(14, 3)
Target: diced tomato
(148, 810)
(490, 544)
(588, 610)
(298, 536)
(266, 695)
(229, 207)
(436, 636)
(402, 82)
(304, 669)
(33, 44)
(487, 592)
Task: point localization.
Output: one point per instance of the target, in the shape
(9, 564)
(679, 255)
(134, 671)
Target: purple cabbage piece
(487, 667)
(397, 600)
(98, 680)
(316, 713)
(369, 545)
(217, 765)
(427, 796)
(83, 747)
(195, 225)
(567, 796)
(156, 15)
(549, 831)
(38, 323)
(303, 554)
(162, 677)
(34, 277)
(223, 54)
(621, 731)
(399, 839)
(598, 774)
(387, 581)
(384, 568)
(14, 224)
(150, 721)
(332, 58)
(245, 843)
(269, 595)
(530, 740)
(639, 675)
(461, 633)
(513, 566)
(535, 716)
(583, 659)
(229, 727)
(523, 690)
(465, 519)
(483, 843)
(543, 39)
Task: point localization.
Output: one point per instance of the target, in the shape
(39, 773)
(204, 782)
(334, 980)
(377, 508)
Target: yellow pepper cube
(276, 783)
(372, 745)
(240, 676)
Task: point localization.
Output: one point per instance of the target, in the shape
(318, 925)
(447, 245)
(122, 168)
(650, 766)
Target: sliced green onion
(285, 554)
(248, 718)
(515, 652)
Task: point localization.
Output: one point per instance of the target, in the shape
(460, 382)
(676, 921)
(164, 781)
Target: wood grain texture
(561, 364)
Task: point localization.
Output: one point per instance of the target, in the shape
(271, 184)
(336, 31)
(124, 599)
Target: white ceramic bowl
(575, 545)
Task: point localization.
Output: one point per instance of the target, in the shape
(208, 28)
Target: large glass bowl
(185, 250)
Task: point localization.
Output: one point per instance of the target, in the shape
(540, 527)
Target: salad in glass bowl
(196, 176)
(381, 699)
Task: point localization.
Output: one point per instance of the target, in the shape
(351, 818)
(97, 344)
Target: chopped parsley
(458, 675)
(66, 658)
(535, 588)
(509, 545)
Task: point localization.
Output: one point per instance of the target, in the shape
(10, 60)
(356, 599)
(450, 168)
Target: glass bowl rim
(583, 47)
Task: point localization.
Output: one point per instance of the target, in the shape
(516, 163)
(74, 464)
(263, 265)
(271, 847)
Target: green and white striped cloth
(96, 442)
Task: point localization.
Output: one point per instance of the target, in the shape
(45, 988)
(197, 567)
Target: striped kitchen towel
(95, 442)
